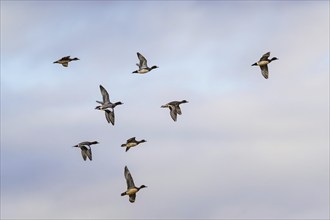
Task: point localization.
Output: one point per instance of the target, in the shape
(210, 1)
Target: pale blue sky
(244, 147)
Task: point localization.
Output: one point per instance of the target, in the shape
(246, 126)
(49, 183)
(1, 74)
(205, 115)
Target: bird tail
(124, 193)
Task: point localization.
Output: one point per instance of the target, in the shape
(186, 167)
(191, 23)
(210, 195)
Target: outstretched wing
(89, 153)
(132, 139)
(173, 112)
(84, 152)
(110, 116)
(178, 109)
(129, 179)
(143, 61)
(264, 71)
(265, 56)
(105, 95)
(132, 198)
(65, 64)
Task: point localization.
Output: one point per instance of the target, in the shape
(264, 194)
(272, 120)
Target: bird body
(131, 191)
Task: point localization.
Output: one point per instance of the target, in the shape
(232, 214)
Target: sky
(243, 148)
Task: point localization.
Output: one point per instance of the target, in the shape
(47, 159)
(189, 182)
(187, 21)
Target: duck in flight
(107, 106)
(174, 108)
(263, 62)
(65, 60)
(131, 188)
(143, 67)
(86, 151)
(132, 143)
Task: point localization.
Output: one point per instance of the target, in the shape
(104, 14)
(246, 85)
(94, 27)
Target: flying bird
(263, 62)
(174, 108)
(131, 188)
(132, 143)
(143, 67)
(86, 151)
(65, 60)
(107, 106)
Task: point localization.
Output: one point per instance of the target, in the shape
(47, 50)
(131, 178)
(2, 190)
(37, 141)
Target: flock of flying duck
(108, 107)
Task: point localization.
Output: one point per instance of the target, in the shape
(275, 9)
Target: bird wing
(264, 71)
(173, 112)
(65, 58)
(132, 198)
(110, 116)
(178, 109)
(84, 152)
(130, 140)
(89, 153)
(65, 64)
(129, 179)
(265, 56)
(105, 95)
(143, 61)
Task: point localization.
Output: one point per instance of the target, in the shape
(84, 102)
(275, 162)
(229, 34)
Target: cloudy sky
(244, 147)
